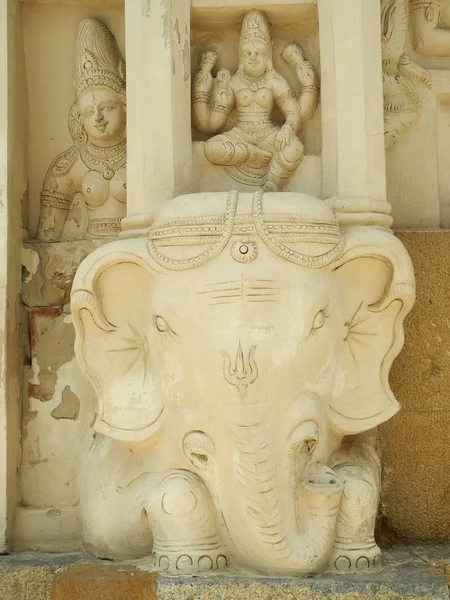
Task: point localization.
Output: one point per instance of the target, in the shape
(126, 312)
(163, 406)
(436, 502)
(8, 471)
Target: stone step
(415, 573)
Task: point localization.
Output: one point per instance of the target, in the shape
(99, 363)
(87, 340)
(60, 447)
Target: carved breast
(262, 98)
(96, 189)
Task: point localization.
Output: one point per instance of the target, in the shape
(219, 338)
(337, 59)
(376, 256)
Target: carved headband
(100, 77)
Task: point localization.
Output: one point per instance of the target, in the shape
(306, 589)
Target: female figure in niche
(402, 103)
(256, 151)
(95, 165)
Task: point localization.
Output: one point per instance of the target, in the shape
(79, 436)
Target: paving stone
(101, 582)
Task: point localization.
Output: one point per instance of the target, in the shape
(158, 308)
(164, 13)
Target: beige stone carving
(256, 151)
(95, 166)
(240, 355)
(430, 27)
(402, 104)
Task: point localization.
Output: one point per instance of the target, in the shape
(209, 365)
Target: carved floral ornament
(236, 381)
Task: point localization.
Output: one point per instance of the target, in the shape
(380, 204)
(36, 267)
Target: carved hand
(283, 138)
(306, 74)
(223, 94)
(208, 60)
(293, 54)
(203, 79)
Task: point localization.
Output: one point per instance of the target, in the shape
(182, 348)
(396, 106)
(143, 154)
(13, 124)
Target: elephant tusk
(307, 435)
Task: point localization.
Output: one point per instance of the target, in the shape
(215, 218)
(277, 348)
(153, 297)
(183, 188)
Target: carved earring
(76, 128)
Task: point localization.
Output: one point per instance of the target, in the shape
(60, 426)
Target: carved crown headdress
(98, 60)
(255, 27)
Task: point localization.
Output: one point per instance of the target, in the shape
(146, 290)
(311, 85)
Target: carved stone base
(413, 574)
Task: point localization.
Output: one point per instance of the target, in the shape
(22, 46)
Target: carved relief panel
(430, 27)
(87, 182)
(252, 100)
(401, 75)
(416, 75)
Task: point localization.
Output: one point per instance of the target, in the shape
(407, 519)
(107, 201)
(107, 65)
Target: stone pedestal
(416, 574)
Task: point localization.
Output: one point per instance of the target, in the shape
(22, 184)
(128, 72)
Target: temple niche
(255, 98)
(76, 80)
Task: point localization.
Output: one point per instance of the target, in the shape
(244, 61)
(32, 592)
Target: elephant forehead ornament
(240, 355)
(274, 230)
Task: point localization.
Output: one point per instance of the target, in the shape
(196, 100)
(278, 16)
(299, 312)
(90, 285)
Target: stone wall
(415, 443)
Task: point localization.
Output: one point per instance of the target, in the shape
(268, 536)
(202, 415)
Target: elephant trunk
(279, 529)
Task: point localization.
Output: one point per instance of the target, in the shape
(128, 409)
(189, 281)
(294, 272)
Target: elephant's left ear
(377, 290)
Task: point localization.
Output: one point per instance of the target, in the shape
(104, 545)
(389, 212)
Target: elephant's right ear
(111, 311)
(376, 280)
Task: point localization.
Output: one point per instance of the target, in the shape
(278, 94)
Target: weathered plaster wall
(13, 188)
(58, 403)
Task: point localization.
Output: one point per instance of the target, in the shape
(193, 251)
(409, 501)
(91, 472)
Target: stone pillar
(159, 155)
(3, 238)
(13, 185)
(354, 177)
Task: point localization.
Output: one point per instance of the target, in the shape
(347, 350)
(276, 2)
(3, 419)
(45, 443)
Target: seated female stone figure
(256, 151)
(95, 165)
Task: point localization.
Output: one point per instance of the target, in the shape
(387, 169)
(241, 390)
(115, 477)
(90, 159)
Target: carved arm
(307, 76)
(429, 38)
(56, 196)
(287, 103)
(212, 100)
(309, 96)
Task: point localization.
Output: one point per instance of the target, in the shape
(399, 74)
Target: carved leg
(226, 151)
(113, 519)
(186, 536)
(355, 549)
(283, 165)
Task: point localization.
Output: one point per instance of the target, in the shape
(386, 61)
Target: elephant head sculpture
(240, 355)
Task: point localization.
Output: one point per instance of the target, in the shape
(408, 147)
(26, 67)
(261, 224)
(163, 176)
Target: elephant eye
(161, 324)
(319, 319)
